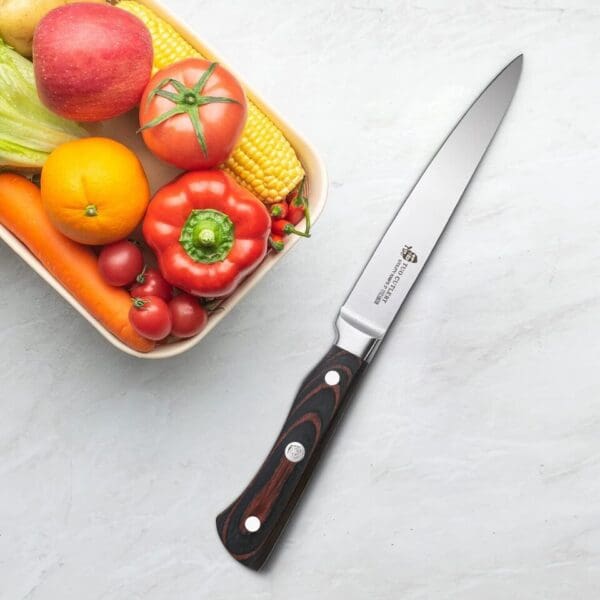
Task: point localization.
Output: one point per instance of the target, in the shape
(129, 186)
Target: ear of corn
(263, 161)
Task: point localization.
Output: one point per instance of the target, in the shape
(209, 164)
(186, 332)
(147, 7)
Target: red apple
(92, 61)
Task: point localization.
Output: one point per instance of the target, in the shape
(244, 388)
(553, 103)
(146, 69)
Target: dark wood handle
(250, 527)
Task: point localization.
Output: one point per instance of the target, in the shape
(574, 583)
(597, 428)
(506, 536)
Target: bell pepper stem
(207, 236)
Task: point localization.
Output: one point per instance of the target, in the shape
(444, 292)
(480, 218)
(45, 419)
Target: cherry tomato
(187, 316)
(277, 242)
(150, 282)
(192, 114)
(119, 263)
(279, 210)
(150, 317)
(295, 212)
(280, 227)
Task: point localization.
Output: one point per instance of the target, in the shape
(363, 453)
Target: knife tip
(515, 66)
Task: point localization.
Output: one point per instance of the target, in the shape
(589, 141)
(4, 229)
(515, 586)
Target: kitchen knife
(250, 527)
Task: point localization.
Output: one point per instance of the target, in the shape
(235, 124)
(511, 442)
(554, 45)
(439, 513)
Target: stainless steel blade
(405, 247)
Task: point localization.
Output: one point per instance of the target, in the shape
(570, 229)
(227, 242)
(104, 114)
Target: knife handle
(250, 526)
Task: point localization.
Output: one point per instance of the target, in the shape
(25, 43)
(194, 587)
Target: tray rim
(317, 194)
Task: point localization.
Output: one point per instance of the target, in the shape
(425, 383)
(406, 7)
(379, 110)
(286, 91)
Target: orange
(94, 190)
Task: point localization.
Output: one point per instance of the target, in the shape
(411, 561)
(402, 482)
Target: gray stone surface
(469, 466)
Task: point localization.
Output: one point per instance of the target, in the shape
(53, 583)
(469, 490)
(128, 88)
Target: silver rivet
(332, 378)
(294, 452)
(252, 524)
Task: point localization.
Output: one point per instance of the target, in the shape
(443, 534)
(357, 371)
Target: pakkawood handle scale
(250, 527)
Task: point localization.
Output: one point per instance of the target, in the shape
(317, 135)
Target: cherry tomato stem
(299, 208)
(279, 210)
(276, 242)
(284, 227)
(150, 282)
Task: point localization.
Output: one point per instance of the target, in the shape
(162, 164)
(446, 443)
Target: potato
(20, 17)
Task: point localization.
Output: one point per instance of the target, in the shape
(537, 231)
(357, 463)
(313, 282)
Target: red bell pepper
(208, 232)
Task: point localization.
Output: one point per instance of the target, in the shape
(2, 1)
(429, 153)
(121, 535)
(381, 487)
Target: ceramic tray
(123, 129)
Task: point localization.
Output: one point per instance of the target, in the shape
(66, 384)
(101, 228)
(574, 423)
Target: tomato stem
(142, 276)
(138, 303)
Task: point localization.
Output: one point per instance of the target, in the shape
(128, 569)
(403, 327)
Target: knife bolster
(354, 339)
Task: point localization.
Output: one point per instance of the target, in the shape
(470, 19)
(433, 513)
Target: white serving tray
(123, 129)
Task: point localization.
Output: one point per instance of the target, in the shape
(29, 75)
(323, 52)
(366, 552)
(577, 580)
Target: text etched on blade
(408, 257)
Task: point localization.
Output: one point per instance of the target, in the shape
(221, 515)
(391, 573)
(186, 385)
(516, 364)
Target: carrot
(73, 264)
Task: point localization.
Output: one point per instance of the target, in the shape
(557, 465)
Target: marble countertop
(469, 465)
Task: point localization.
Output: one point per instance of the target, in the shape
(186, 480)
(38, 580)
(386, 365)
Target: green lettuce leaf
(28, 130)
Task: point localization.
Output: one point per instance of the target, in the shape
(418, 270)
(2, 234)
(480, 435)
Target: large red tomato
(192, 114)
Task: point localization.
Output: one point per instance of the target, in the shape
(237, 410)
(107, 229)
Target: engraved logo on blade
(408, 254)
(408, 257)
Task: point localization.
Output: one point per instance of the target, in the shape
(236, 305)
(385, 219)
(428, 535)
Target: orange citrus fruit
(94, 190)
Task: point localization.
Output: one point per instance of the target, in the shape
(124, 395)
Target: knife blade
(250, 527)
